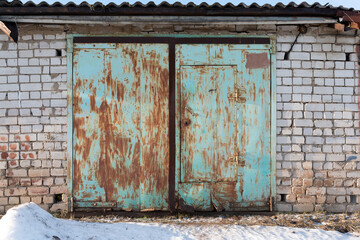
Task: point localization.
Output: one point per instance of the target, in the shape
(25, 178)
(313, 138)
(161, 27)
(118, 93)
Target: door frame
(262, 42)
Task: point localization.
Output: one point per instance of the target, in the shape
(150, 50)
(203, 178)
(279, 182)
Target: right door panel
(224, 107)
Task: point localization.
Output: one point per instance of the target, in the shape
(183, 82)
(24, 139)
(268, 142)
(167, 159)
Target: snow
(28, 222)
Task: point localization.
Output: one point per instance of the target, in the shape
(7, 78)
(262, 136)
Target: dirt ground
(338, 222)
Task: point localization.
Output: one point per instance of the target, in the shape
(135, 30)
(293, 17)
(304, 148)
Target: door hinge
(237, 95)
(72, 204)
(238, 159)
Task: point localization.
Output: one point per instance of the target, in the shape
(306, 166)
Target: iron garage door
(170, 123)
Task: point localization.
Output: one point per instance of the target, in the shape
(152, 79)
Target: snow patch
(30, 222)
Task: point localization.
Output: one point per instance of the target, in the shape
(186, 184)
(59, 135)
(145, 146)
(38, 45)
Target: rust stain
(120, 146)
(3, 138)
(185, 207)
(31, 155)
(13, 163)
(24, 156)
(13, 146)
(13, 155)
(25, 146)
(27, 138)
(4, 155)
(257, 60)
(3, 147)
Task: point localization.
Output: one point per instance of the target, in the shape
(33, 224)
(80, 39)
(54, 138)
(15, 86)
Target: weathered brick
(38, 190)
(39, 172)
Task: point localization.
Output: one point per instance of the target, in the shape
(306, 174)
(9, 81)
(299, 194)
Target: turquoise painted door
(223, 93)
(120, 136)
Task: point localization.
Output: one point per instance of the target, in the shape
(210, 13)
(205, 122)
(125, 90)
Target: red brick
(14, 182)
(28, 155)
(48, 181)
(18, 191)
(58, 172)
(25, 182)
(3, 201)
(3, 183)
(58, 189)
(318, 182)
(38, 191)
(36, 181)
(14, 200)
(4, 138)
(328, 182)
(320, 199)
(25, 137)
(298, 190)
(13, 163)
(16, 173)
(48, 199)
(24, 199)
(13, 146)
(306, 199)
(39, 172)
(3, 147)
(25, 146)
(13, 156)
(36, 200)
(316, 190)
(308, 182)
(297, 181)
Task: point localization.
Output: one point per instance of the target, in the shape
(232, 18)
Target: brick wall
(32, 120)
(318, 157)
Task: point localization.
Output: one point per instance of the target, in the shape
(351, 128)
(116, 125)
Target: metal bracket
(273, 44)
(69, 44)
(237, 95)
(72, 204)
(238, 158)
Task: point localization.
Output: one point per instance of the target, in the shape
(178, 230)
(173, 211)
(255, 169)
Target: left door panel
(88, 99)
(120, 130)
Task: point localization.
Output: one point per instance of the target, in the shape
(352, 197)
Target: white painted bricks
(324, 110)
(32, 166)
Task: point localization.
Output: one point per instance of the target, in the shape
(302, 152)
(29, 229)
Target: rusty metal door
(120, 126)
(223, 93)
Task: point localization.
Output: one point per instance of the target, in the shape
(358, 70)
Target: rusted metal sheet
(208, 124)
(121, 147)
(257, 60)
(128, 140)
(224, 100)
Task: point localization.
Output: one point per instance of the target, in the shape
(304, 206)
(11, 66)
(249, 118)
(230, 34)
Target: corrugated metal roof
(165, 4)
(175, 9)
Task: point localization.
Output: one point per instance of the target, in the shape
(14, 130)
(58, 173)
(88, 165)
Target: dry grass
(338, 222)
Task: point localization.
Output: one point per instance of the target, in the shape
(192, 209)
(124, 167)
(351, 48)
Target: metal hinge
(273, 44)
(237, 95)
(238, 158)
(72, 204)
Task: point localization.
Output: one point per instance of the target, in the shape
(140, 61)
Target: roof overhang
(121, 20)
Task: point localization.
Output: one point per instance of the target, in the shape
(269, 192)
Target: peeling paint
(257, 60)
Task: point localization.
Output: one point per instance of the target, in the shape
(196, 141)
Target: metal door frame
(266, 42)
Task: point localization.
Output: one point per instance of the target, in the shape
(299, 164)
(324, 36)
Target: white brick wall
(326, 114)
(32, 166)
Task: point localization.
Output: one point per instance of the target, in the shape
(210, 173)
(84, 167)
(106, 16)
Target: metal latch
(237, 95)
(238, 158)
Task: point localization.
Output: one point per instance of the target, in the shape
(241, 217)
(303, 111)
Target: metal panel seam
(70, 119)
(273, 120)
